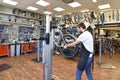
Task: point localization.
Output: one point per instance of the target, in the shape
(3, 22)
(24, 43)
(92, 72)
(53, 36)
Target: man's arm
(72, 44)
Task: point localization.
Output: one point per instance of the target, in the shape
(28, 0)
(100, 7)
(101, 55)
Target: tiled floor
(23, 68)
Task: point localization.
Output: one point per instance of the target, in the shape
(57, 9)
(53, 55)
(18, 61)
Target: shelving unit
(25, 33)
(4, 33)
(20, 26)
(22, 19)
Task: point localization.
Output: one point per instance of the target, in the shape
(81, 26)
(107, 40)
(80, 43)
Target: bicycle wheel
(70, 52)
(110, 48)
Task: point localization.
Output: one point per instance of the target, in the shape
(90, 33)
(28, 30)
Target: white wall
(5, 10)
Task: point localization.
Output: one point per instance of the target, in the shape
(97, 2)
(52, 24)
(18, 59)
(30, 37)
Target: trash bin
(18, 49)
(12, 49)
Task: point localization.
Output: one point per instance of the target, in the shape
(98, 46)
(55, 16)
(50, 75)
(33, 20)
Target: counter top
(18, 43)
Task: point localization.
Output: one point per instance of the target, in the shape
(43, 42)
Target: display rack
(25, 33)
(21, 24)
(4, 33)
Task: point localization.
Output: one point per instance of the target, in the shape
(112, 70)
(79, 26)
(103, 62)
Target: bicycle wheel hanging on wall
(76, 18)
(73, 18)
(70, 52)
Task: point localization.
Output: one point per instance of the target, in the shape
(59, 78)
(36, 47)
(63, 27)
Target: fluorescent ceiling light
(58, 9)
(32, 8)
(85, 10)
(94, 0)
(74, 4)
(42, 3)
(58, 15)
(9, 2)
(104, 6)
(47, 12)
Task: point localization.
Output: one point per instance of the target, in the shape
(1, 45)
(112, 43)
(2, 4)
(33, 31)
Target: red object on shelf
(28, 47)
(32, 46)
(25, 47)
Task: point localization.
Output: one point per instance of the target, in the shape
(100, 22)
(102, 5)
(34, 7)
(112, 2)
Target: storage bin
(18, 49)
(12, 49)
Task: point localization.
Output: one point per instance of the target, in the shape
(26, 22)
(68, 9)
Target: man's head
(81, 27)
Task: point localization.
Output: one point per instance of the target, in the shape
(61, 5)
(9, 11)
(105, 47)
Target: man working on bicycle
(69, 27)
(68, 24)
(85, 60)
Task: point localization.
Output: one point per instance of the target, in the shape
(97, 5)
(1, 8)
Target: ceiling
(86, 4)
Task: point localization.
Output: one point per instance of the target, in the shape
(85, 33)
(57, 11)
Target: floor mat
(107, 66)
(4, 67)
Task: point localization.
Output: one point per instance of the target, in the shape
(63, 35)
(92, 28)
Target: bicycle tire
(108, 47)
(70, 52)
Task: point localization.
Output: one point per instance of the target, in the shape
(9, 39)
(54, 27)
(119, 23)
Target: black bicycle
(108, 46)
(65, 38)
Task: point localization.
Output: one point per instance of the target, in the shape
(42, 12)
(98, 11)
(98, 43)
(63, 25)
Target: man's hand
(65, 47)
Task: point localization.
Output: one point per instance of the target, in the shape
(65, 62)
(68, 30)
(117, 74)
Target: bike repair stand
(39, 45)
(100, 51)
(105, 65)
(47, 51)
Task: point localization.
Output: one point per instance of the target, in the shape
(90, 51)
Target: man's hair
(68, 20)
(82, 25)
